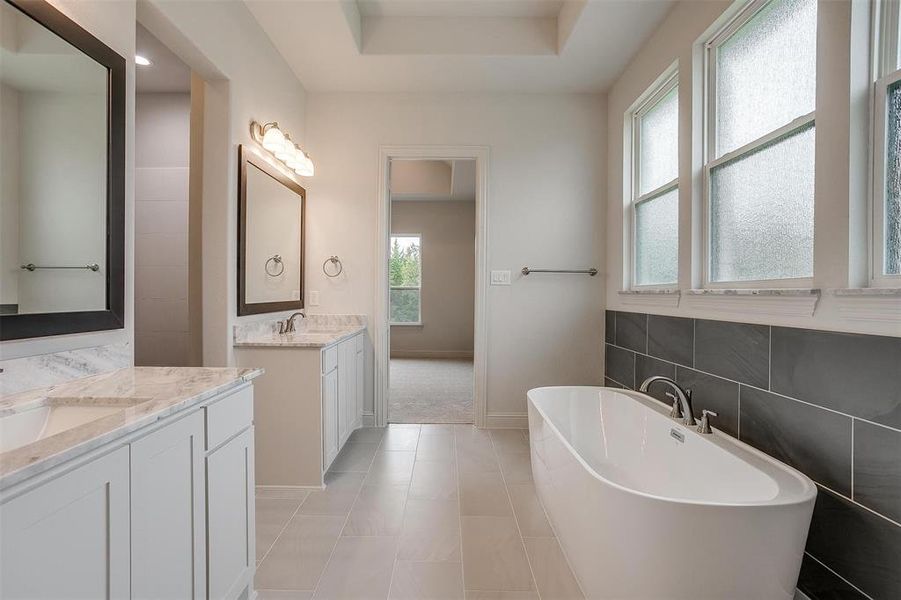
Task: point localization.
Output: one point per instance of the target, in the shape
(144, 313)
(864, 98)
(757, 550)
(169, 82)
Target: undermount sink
(50, 417)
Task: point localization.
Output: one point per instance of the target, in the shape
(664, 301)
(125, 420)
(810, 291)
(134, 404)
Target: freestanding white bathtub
(643, 515)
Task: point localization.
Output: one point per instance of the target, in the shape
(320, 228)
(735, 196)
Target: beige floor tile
(431, 531)
(284, 595)
(378, 511)
(472, 460)
(436, 429)
(552, 573)
(509, 440)
(435, 447)
(371, 435)
(301, 552)
(391, 468)
(427, 581)
(338, 496)
(400, 439)
(272, 515)
(493, 555)
(488, 595)
(355, 456)
(517, 467)
(360, 568)
(434, 480)
(470, 436)
(529, 512)
(282, 493)
(484, 495)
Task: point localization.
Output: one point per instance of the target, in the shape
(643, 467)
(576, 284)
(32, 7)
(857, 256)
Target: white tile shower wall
(31, 372)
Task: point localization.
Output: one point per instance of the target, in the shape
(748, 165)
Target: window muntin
(655, 188)
(405, 280)
(886, 209)
(760, 121)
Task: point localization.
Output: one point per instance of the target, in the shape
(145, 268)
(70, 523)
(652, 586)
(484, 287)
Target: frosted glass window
(657, 239)
(766, 73)
(761, 212)
(892, 253)
(659, 143)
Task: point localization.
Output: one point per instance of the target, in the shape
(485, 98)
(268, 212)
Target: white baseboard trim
(286, 491)
(368, 420)
(507, 421)
(430, 354)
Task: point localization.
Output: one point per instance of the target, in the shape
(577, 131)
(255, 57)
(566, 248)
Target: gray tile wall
(828, 404)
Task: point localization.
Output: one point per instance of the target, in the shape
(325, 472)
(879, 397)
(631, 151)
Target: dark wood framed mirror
(63, 170)
(271, 237)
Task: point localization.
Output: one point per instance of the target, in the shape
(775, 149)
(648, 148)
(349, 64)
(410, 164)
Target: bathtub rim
(780, 472)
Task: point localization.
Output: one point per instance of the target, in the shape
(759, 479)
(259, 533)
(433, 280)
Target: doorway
(431, 279)
(429, 343)
(168, 190)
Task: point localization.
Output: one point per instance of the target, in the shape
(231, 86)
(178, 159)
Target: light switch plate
(500, 278)
(314, 298)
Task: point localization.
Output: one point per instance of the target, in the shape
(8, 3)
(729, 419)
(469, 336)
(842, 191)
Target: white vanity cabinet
(166, 511)
(342, 400)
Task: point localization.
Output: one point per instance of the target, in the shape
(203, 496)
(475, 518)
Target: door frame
(381, 328)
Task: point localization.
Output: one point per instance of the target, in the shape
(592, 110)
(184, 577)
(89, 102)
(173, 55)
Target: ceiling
(458, 45)
(433, 180)
(167, 73)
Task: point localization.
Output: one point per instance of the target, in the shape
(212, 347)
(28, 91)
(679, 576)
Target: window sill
(651, 297)
(406, 324)
(869, 304)
(792, 302)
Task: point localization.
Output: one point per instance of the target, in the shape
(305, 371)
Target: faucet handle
(676, 412)
(704, 424)
(282, 328)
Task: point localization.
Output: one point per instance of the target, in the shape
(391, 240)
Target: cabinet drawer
(228, 416)
(329, 359)
(358, 341)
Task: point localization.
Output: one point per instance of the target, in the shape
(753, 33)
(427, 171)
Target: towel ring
(279, 264)
(336, 262)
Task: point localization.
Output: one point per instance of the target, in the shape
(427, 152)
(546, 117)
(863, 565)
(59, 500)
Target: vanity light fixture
(142, 61)
(277, 142)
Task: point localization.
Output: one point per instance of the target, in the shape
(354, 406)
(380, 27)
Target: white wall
(840, 194)
(545, 209)
(247, 79)
(9, 195)
(113, 24)
(448, 231)
(162, 134)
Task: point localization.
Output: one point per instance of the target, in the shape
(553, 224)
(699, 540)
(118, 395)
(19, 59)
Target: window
(886, 268)
(405, 279)
(759, 151)
(655, 187)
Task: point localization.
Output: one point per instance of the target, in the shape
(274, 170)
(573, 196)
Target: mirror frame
(20, 326)
(245, 156)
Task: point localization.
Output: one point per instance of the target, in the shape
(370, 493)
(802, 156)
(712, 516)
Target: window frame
(711, 161)
(647, 102)
(405, 287)
(885, 72)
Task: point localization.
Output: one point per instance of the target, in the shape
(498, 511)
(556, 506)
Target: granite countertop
(107, 406)
(315, 331)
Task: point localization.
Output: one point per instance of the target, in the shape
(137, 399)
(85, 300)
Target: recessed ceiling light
(140, 60)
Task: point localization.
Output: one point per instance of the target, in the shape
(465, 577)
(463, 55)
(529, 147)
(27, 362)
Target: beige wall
(448, 278)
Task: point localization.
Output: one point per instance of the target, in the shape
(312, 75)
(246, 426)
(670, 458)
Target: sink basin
(50, 417)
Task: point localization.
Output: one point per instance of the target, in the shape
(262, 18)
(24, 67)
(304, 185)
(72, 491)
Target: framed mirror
(270, 237)
(62, 176)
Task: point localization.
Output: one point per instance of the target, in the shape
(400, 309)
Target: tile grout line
(459, 510)
(852, 458)
(822, 564)
(282, 530)
(403, 519)
(522, 540)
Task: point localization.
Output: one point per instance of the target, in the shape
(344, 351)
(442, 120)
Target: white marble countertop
(314, 331)
(129, 398)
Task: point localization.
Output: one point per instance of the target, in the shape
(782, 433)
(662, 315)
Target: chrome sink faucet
(681, 398)
(287, 326)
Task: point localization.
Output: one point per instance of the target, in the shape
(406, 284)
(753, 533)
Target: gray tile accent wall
(827, 403)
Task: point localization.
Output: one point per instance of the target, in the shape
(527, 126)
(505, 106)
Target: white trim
(710, 158)
(650, 298)
(507, 421)
(381, 328)
(785, 302)
(450, 354)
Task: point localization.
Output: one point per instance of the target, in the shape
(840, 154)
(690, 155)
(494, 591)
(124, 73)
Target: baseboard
(431, 354)
(507, 421)
(368, 420)
(286, 491)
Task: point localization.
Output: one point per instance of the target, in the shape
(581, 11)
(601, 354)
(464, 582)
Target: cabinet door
(230, 517)
(329, 418)
(360, 389)
(69, 538)
(345, 389)
(168, 499)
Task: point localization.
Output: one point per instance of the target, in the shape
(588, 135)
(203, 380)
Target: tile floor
(415, 512)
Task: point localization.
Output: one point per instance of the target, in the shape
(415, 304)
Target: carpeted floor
(432, 390)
